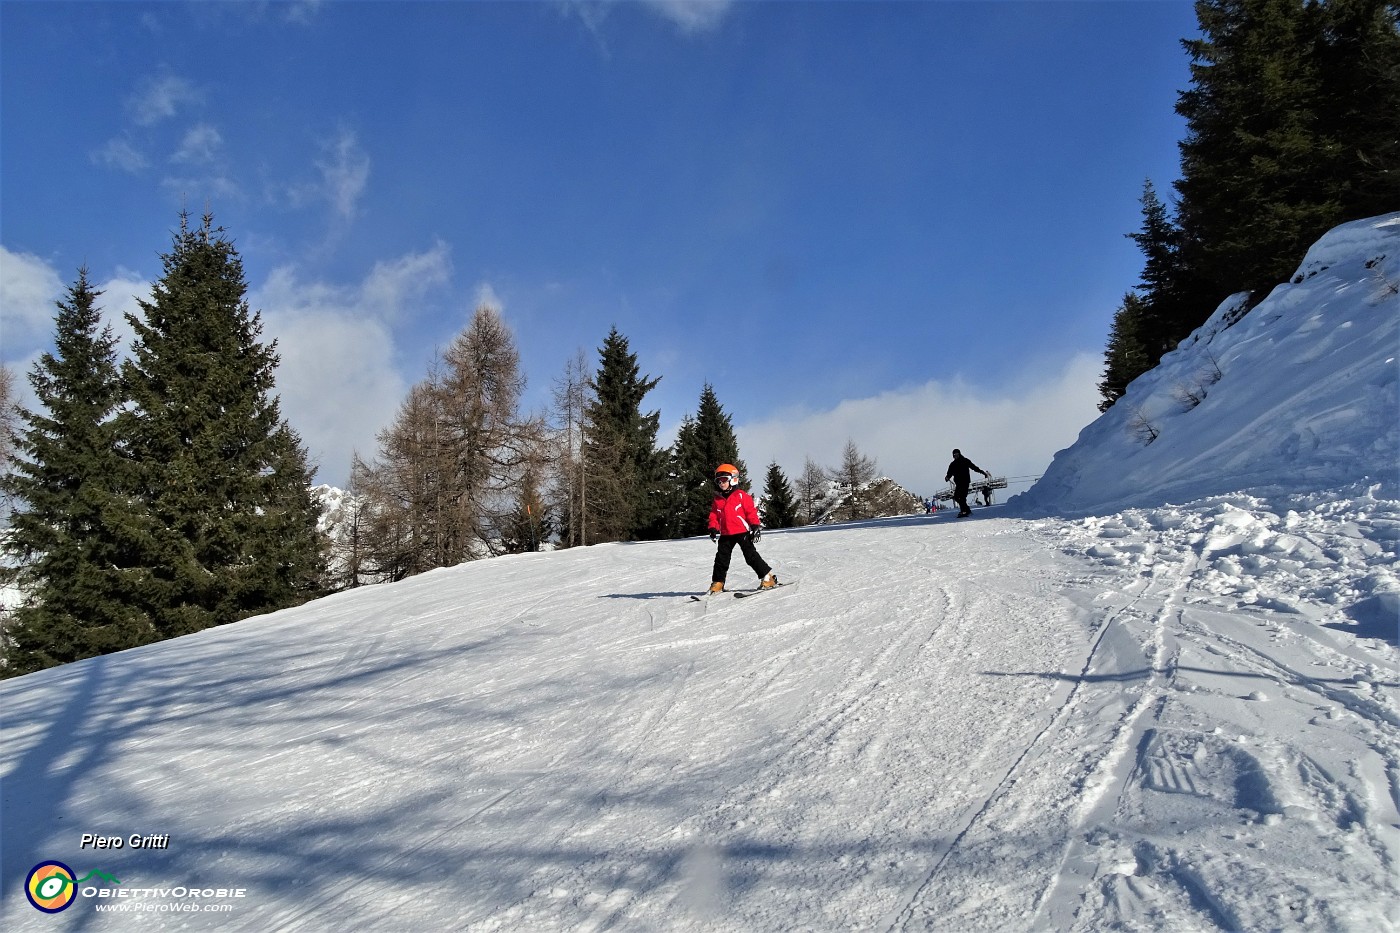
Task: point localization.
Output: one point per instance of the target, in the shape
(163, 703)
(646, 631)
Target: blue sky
(899, 223)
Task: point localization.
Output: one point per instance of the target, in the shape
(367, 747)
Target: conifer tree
(1163, 316)
(228, 523)
(624, 471)
(702, 444)
(1127, 356)
(1290, 131)
(1359, 69)
(780, 508)
(1248, 198)
(68, 532)
(1150, 321)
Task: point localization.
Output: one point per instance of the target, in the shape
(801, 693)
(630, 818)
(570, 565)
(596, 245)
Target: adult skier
(960, 472)
(734, 520)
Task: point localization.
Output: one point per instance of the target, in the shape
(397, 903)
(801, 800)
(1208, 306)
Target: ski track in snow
(993, 724)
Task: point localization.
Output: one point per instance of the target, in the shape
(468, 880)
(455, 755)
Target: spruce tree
(1359, 83)
(703, 443)
(69, 531)
(1164, 317)
(1250, 198)
(1126, 356)
(780, 508)
(1151, 321)
(1290, 131)
(623, 470)
(229, 524)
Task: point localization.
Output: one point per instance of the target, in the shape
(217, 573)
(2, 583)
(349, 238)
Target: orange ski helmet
(729, 470)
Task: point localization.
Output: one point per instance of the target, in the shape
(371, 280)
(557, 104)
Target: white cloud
(156, 100)
(120, 152)
(301, 11)
(390, 288)
(160, 99)
(119, 298)
(338, 381)
(344, 173)
(29, 290)
(215, 185)
(911, 432)
(29, 286)
(691, 16)
(202, 143)
(486, 297)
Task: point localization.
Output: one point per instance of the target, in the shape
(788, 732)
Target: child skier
(734, 520)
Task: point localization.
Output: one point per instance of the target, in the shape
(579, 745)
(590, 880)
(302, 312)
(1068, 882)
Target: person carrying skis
(734, 520)
(960, 472)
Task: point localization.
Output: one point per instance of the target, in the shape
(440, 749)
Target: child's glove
(714, 536)
(755, 532)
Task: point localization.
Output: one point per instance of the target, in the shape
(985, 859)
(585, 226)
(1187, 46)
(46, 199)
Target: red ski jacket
(733, 514)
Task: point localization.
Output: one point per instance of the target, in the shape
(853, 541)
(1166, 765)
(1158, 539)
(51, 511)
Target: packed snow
(1158, 691)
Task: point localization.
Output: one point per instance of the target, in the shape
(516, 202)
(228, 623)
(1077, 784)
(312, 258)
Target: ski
(740, 594)
(737, 594)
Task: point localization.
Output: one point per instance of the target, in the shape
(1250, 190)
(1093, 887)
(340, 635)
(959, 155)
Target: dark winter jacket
(733, 513)
(960, 470)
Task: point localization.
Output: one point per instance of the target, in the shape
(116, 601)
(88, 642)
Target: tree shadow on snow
(1144, 673)
(668, 595)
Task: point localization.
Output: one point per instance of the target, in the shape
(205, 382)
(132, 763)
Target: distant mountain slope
(880, 498)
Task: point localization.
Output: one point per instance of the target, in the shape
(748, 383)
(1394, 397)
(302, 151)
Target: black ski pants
(726, 549)
(960, 497)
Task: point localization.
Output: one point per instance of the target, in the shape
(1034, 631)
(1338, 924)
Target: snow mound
(1298, 393)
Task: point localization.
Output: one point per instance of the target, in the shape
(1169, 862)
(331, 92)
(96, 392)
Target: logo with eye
(52, 886)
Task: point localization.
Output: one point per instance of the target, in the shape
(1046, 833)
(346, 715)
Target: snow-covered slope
(1299, 394)
(986, 725)
(1179, 713)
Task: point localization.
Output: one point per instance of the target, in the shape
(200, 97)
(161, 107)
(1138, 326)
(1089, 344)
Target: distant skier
(960, 472)
(734, 520)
